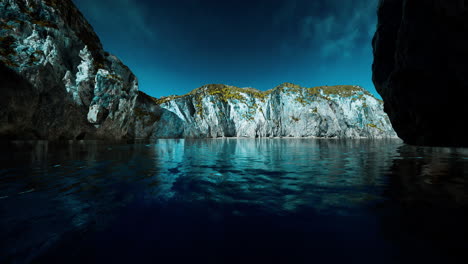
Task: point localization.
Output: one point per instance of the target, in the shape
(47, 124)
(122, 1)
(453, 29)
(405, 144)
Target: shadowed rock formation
(421, 69)
(57, 82)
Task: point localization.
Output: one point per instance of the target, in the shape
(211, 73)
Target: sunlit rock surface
(57, 81)
(285, 111)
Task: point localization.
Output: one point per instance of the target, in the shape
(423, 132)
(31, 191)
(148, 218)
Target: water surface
(233, 201)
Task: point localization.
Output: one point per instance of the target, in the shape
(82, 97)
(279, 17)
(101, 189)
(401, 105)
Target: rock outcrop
(421, 69)
(57, 81)
(285, 111)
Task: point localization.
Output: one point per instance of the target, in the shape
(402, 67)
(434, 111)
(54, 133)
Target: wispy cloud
(339, 27)
(127, 16)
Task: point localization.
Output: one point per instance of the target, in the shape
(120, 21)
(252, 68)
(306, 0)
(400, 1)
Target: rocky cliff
(57, 81)
(421, 69)
(285, 111)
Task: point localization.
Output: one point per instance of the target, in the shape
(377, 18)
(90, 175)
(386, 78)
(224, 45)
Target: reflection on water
(431, 176)
(232, 200)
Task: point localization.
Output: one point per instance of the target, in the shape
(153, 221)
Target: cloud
(339, 28)
(127, 16)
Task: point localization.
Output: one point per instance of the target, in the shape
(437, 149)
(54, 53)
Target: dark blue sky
(175, 46)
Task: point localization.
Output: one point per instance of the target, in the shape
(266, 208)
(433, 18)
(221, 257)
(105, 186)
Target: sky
(175, 46)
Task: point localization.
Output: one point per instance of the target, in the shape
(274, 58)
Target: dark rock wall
(421, 69)
(27, 113)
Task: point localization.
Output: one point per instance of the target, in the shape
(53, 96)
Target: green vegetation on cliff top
(248, 96)
(227, 92)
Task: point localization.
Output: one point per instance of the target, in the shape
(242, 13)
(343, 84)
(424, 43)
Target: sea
(235, 200)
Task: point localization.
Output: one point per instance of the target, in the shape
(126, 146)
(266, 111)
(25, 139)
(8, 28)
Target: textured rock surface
(57, 82)
(285, 111)
(421, 69)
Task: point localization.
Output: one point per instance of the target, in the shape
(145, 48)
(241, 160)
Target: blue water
(233, 201)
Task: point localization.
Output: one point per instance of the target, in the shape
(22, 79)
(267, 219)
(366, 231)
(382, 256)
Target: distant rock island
(288, 110)
(59, 83)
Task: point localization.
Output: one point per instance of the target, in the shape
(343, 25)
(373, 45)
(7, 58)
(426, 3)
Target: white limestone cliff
(286, 111)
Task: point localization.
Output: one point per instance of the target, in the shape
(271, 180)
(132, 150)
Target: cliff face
(286, 111)
(421, 69)
(57, 81)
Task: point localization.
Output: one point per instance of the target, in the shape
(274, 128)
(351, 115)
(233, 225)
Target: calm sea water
(233, 201)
